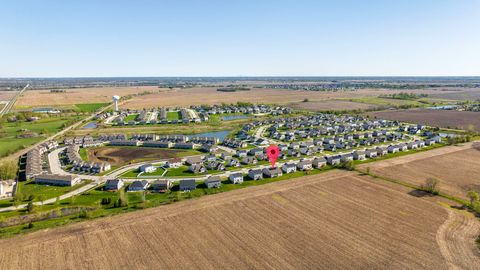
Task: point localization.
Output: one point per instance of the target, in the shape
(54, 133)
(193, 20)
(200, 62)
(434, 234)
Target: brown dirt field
(334, 220)
(32, 98)
(437, 118)
(6, 95)
(456, 167)
(117, 156)
(331, 105)
(210, 95)
(459, 94)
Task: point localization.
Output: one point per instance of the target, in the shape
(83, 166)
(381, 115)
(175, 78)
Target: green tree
(30, 207)
(431, 186)
(473, 196)
(8, 169)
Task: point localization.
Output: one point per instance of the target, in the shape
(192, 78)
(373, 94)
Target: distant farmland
(438, 118)
(334, 220)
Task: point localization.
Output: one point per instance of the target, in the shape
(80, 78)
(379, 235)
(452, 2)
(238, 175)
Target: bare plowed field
(335, 220)
(210, 95)
(331, 105)
(32, 98)
(437, 118)
(117, 156)
(456, 167)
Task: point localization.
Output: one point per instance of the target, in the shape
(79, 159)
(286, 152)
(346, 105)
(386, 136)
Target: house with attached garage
(194, 160)
(412, 145)
(233, 162)
(393, 149)
(236, 178)
(114, 185)
(173, 163)
(147, 168)
(289, 167)
(215, 165)
(241, 153)
(197, 168)
(210, 158)
(319, 162)
(382, 150)
(213, 182)
(403, 147)
(429, 142)
(305, 165)
(249, 160)
(272, 172)
(162, 186)
(359, 155)
(138, 186)
(346, 157)
(226, 156)
(187, 185)
(371, 153)
(255, 174)
(255, 151)
(333, 160)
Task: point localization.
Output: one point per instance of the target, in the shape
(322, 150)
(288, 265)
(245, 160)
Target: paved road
(6, 109)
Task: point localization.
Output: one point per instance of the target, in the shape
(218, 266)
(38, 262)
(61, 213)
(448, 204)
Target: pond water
(234, 117)
(90, 125)
(221, 135)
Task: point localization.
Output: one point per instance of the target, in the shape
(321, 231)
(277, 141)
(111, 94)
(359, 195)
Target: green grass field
(90, 107)
(173, 115)
(134, 173)
(130, 117)
(83, 154)
(9, 143)
(43, 192)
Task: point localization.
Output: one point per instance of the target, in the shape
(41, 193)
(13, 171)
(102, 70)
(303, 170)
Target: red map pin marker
(273, 152)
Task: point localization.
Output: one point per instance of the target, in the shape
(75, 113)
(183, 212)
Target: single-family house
(236, 178)
(305, 165)
(213, 181)
(187, 184)
(114, 184)
(255, 174)
(139, 185)
(162, 185)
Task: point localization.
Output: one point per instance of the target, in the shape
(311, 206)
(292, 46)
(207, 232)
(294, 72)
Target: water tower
(115, 101)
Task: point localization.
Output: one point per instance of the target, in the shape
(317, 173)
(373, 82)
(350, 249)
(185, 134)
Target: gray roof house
(255, 174)
(359, 155)
(138, 185)
(161, 185)
(236, 178)
(305, 165)
(187, 184)
(213, 182)
(272, 172)
(113, 185)
(289, 167)
(319, 162)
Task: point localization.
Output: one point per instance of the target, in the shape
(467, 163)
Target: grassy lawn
(173, 115)
(43, 192)
(134, 173)
(44, 127)
(83, 153)
(90, 107)
(183, 171)
(130, 117)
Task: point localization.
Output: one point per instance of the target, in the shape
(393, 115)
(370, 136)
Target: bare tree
(431, 186)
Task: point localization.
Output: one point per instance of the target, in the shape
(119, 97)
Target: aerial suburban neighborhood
(240, 135)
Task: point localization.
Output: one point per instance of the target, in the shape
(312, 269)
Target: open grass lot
(130, 117)
(9, 143)
(42, 192)
(118, 156)
(334, 220)
(134, 173)
(173, 115)
(90, 107)
(456, 167)
(438, 118)
(38, 98)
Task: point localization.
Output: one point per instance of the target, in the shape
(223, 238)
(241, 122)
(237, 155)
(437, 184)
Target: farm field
(334, 220)
(456, 167)
(118, 156)
(458, 94)
(210, 95)
(7, 95)
(35, 98)
(439, 118)
(90, 107)
(331, 105)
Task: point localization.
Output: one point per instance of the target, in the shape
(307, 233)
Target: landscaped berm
(334, 220)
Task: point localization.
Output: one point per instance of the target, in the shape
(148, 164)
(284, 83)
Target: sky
(239, 38)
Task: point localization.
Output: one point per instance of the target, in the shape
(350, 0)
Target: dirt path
(455, 238)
